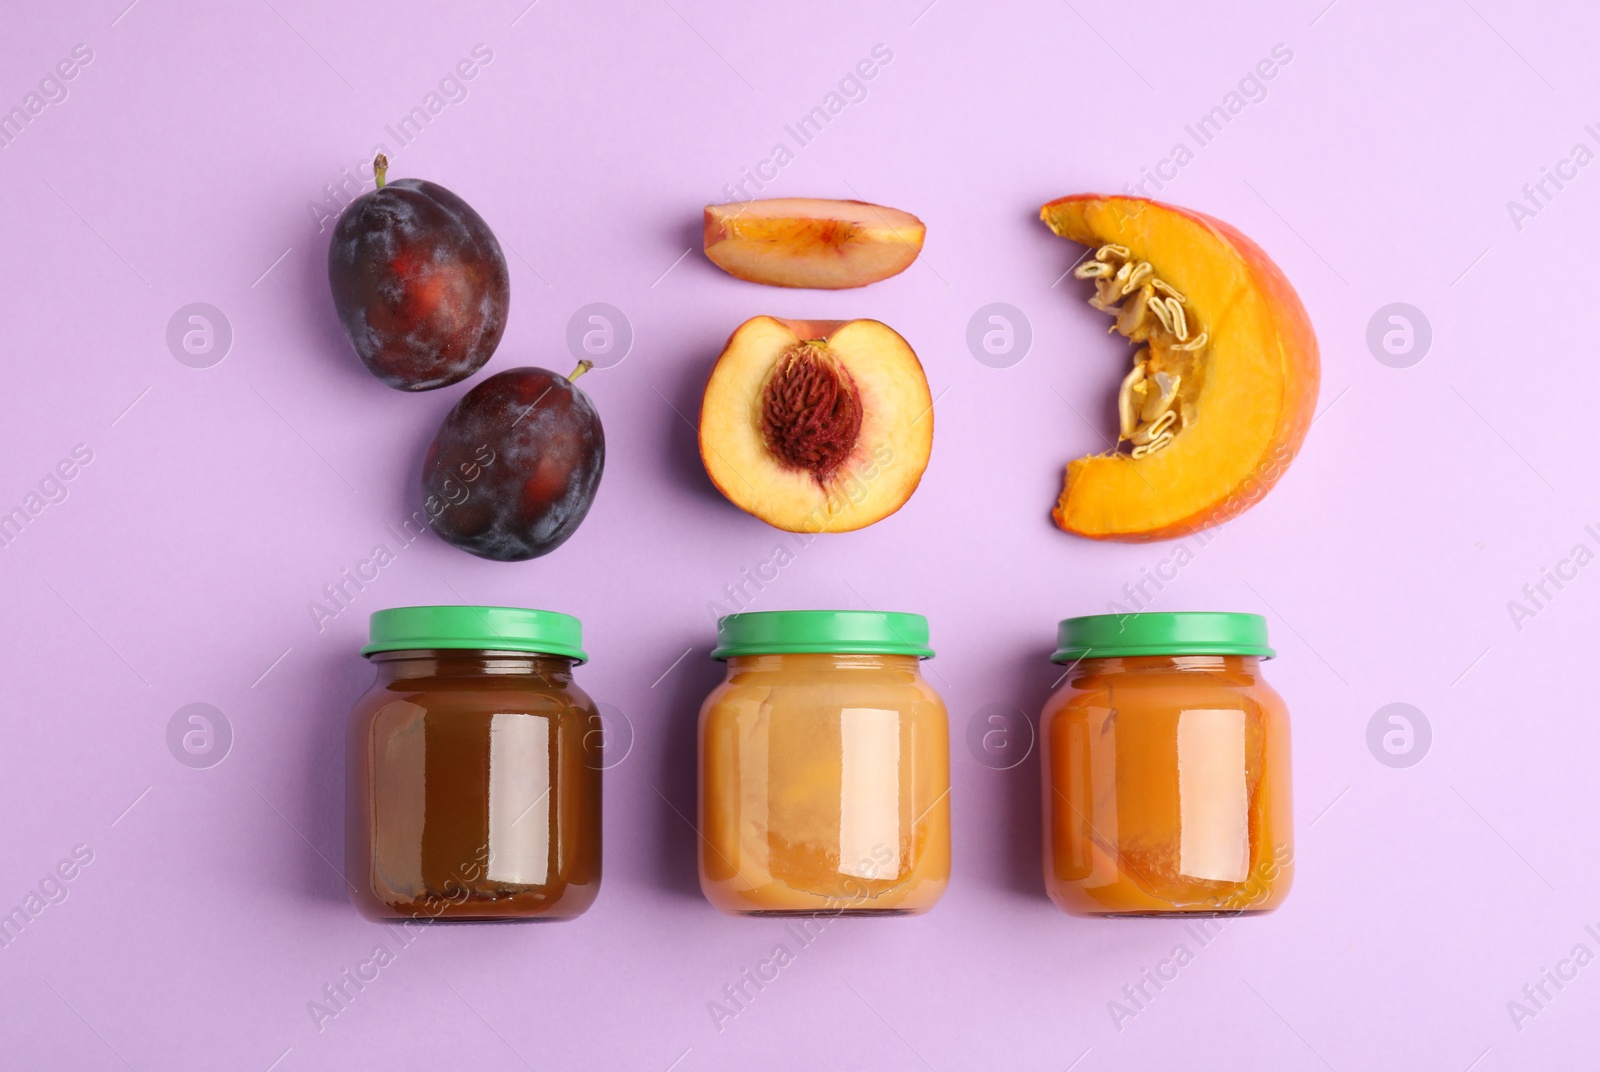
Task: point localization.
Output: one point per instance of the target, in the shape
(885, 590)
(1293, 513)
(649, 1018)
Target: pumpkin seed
(1149, 412)
(1127, 414)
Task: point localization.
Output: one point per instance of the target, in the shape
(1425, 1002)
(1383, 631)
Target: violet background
(181, 168)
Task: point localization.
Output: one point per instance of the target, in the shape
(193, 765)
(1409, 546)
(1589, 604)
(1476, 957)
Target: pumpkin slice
(1224, 380)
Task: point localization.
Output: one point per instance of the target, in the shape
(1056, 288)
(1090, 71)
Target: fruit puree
(473, 789)
(1166, 786)
(824, 785)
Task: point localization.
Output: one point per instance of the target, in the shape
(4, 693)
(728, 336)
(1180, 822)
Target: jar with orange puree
(1166, 768)
(824, 767)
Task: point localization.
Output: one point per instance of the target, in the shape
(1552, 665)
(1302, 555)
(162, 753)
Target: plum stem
(380, 169)
(583, 366)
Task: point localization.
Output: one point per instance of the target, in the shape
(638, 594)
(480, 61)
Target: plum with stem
(419, 283)
(514, 469)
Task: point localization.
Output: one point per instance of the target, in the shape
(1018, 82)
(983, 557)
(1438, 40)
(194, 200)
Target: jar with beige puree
(824, 767)
(473, 780)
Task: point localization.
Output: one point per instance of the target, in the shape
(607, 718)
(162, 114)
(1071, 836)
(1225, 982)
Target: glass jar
(824, 767)
(473, 792)
(1166, 768)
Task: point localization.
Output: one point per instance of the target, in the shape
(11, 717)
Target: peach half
(1224, 380)
(816, 426)
(809, 242)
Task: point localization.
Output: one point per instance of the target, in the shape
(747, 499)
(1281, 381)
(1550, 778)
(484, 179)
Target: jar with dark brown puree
(474, 777)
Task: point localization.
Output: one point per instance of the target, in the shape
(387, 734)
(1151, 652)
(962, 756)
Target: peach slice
(816, 426)
(1223, 387)
(809, 242)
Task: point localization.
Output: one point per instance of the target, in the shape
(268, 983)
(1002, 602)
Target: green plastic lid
(1106, 636)
(840, 632)
(477, 628)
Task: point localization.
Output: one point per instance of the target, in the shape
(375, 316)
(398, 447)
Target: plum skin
(514, 469)
(419, 283)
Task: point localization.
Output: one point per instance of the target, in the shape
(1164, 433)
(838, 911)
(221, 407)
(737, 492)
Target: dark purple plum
(515, 465)
(419, 282)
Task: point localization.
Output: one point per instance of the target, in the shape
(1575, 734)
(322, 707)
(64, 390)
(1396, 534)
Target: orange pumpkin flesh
(1248, 401)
